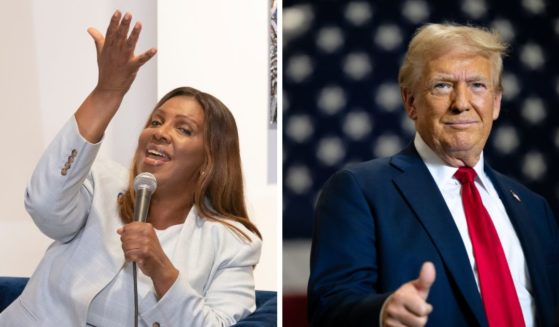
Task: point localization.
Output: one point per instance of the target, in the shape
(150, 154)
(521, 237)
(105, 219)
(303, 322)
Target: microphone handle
(141, 207)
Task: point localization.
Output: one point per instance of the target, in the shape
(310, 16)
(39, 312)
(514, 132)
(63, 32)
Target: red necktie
(498, 294)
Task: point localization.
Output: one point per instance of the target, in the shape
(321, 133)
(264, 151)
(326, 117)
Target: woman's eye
(154, 123)
(185, 131)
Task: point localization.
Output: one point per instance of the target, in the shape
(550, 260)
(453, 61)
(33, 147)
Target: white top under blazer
(72, 198)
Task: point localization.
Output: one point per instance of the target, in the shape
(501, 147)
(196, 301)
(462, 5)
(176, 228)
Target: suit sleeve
(553, 254)
(344, 268)
(229, 296)
(58, 196)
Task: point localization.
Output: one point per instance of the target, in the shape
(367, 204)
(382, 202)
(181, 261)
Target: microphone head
(145, 181)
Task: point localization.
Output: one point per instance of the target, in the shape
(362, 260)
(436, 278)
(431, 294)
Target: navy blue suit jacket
(378, 221)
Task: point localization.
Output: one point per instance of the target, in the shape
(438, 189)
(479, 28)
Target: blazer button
(155, 324)
(71, 159)
(64, 171)
(74, 152)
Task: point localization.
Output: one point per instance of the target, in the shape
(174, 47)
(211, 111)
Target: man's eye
(478, 85)
(441, 86)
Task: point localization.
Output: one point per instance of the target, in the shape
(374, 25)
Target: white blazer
(74, 201)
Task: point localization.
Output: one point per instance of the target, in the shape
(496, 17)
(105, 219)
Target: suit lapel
(520, 219)
(420, 191)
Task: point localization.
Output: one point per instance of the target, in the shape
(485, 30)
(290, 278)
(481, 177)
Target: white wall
(48, 67)
(221, 47)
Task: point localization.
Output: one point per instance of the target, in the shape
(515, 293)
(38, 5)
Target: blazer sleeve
(344, 270)
(229, 296)
(58, 196)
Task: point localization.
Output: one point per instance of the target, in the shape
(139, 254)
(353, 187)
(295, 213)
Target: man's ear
(409, 103)
(497, 105)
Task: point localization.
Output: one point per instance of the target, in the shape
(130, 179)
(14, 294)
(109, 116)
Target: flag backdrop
(341, 101)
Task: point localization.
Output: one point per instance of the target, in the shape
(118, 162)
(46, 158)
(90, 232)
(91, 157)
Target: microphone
(144, 186)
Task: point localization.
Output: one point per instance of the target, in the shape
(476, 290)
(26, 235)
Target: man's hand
(408, 305)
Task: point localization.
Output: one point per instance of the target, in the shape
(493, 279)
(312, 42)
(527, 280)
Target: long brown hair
(219, 189)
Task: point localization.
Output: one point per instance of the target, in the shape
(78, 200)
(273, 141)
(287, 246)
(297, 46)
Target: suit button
(64, 171)
(74, 152)
(155, 324)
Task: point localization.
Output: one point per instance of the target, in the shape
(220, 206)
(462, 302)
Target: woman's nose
(161, 133)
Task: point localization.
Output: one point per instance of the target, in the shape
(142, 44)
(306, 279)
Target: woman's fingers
(113, 26)
(117, 32)
(144, 57)
(133, 40)
(133, 252)
(97, 38)
(137, 238)
(134, 35)
(134, 246)
(123, 28)
(117, 63)
(141, 245)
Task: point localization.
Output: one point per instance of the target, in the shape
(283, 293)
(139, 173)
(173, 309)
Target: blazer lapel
(418, 187)
(520, 219)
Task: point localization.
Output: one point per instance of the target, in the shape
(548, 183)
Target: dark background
(341, 97)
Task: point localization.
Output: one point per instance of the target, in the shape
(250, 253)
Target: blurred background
(341, 101)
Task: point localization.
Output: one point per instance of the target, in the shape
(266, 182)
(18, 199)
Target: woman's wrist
(163, 281)
(105, 95)
(96, 112)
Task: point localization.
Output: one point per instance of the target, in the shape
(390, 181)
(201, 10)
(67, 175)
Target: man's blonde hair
(433, 40)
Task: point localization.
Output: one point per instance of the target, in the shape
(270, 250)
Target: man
(433, 235)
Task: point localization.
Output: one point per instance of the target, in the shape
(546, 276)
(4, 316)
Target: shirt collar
(441, 172)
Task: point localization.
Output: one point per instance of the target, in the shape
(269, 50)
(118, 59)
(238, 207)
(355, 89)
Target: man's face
(454, 106)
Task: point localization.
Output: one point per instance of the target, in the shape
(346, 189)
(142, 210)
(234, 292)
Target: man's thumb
(426, 279)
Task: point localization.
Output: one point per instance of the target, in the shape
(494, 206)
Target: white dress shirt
(450, 190)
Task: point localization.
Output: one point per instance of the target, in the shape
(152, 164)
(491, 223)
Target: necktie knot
(465, 175)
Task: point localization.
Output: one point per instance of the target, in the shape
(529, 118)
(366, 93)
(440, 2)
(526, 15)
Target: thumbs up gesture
(408, 305)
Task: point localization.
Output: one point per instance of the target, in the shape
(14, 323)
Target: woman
(197, 251)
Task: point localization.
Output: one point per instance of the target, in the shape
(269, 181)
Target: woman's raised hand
(118, 67)
(116, 60)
